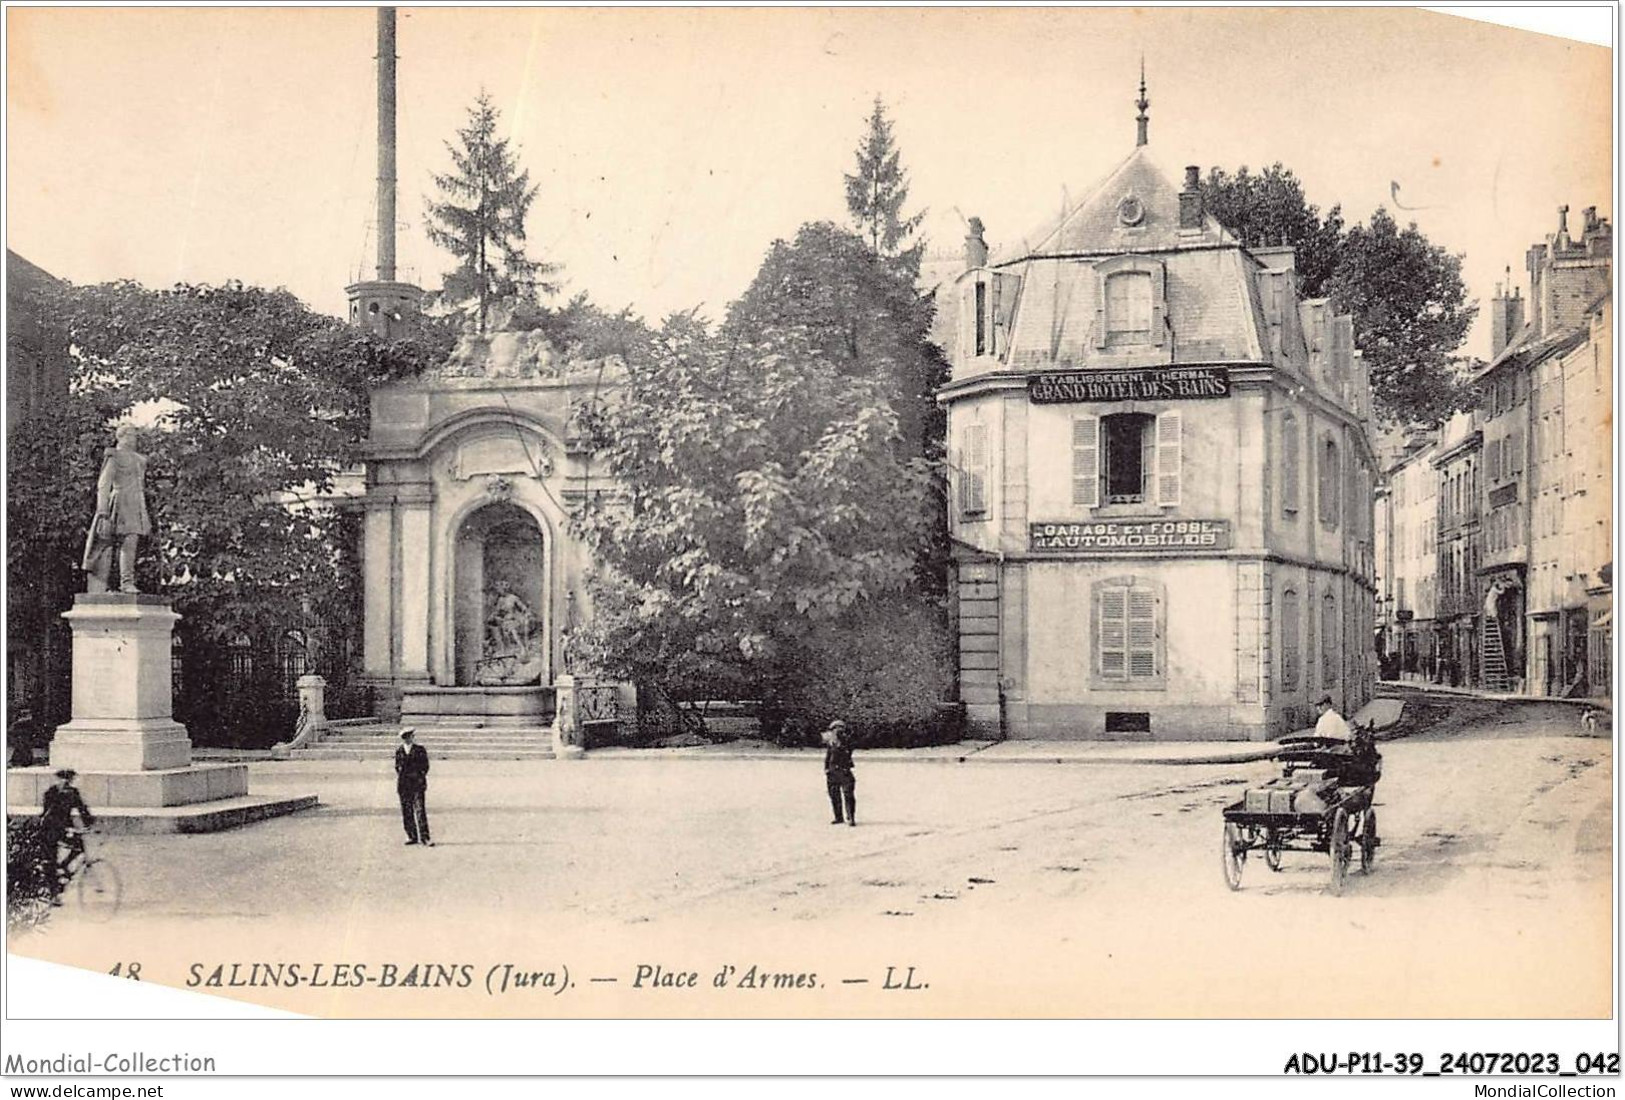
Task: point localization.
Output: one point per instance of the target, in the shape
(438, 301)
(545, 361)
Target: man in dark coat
(60, 802)
(412, 784)
(838, 775)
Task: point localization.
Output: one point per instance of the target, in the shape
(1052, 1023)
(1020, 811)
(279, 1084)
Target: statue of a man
(121, 518)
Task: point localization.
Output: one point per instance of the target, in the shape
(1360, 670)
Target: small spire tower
(1143, 120)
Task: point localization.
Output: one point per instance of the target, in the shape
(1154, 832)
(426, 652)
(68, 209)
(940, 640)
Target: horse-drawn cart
(1322, 802)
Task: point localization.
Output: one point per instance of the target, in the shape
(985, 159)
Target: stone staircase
(369, 739)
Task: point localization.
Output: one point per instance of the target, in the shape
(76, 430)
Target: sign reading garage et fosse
(1136, 536)
(1177, 383)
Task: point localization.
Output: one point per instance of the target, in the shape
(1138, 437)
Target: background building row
(1495, 534)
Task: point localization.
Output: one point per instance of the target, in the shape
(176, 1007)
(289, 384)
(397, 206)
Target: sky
(671, 147)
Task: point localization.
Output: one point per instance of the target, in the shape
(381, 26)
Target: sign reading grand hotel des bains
(1161, 384)
(1132, 536)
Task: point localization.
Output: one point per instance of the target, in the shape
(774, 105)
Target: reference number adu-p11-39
(1475, 1062)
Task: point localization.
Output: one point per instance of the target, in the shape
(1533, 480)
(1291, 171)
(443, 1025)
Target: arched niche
(500, 605)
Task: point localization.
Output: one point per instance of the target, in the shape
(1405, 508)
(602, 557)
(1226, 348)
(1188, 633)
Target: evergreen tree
(875, 194)
(480, 218)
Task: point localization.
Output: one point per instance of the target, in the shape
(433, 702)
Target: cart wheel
(1272, 850)
(1339, 847)
(1368, 840)
(1235, 855)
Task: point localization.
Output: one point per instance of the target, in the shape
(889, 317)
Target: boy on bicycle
(60, 802)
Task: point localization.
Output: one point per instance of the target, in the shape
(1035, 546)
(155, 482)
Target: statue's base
(121, 745)
(144, 789)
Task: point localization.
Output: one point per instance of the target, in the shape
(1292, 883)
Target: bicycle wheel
(99, 890)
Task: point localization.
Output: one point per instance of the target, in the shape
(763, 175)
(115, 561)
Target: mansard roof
(1094, 226)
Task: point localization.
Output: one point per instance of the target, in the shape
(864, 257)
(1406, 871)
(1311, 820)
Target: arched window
(1328, 641)
(1291, 638)
(1329, 482)
(1290, 474)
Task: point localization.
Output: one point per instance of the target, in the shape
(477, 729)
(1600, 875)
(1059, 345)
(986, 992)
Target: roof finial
(1142, 103)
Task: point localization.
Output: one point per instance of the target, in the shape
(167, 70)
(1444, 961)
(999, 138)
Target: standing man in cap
(412, 784)
(1331, 724)
(838, 775)
(58, 805)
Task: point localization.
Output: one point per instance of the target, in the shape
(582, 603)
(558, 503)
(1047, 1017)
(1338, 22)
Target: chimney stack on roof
(1191, 210)
(975, 245)
(1506, 315)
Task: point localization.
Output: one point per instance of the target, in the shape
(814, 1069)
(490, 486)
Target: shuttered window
(1329, 640)
(1169, 439)
(1128, 305)
(1086, 461)
(1291, 636)
(1114, 633)
(1142, 634)
(1329, 482)
(1289, 465)
(973, 472)
(1129, 632)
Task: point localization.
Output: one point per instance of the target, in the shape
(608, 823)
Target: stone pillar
(313, 704)
(568, 742)
(122, 697)
(414, 585)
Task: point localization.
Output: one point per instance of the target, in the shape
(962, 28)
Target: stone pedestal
(134, 760)
(122, 695)
(569, 740)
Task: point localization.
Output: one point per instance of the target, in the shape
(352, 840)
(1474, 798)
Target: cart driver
(1331, 724)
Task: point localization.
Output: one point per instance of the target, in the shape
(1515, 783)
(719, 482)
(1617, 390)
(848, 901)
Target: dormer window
(1128, 307)
(1131, 307)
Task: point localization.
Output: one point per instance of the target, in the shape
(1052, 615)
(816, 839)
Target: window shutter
(1168, 458)
(1142, 634)
(1309, 636)
(975, 473)
(1100, 309)
(1289, 464)
(1291, 631)
(1328, 641)
(1159, 305)
(1086, 461)
(995, 318)
(1114, 633)
(1515, 453)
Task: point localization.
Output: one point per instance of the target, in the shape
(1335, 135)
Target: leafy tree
(1269, 208)
(1406, 294)
(1410, 315)
(480, 218)
(259, 403)
(876, 192)
(860, 313)
(766, 492)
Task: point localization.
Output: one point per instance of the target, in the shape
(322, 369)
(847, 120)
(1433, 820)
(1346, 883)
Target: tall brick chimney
(1190, 199)
(1506, 315)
